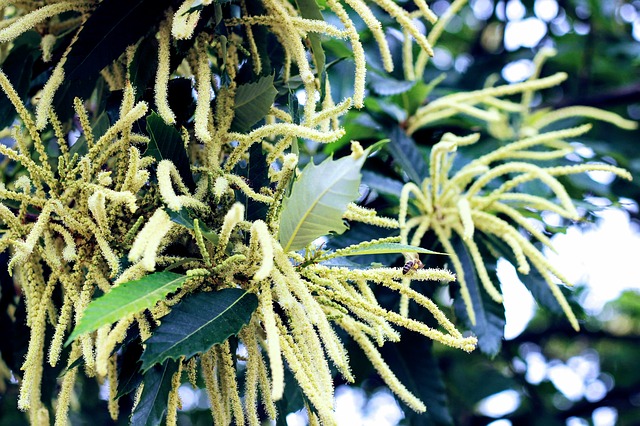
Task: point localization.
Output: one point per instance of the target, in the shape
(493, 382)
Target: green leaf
(144, 65)
(252, 103)
(111, 27)
(318, 200)
(386, 248)
(382, 184)
(197, 323)
(490, 321)
(406, 154)
(127, 299)
(387, 86)
(152, 406)
(184, 218)
(167, 144)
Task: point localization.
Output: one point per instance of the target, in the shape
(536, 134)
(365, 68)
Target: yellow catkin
(112, 376)
(203, 91)
(66, 388)
(33, 18)
(161, 88)
(173, 402)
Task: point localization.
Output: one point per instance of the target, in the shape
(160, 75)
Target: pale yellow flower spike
(358, 52)
(260, 232)
(234, 216)
(361, 8)
(184, 22)
(208, 369)
(434, 35)
(161, 89)
(47, 94)
(404, 19)
(273, 341)
(33, 18)
(583, 111)
(442, 108)
(256, 61)
(203, 90)
(174, 398)
(66, 388)
(167, 176)
(381, 367)
(112, 376)
(145, 246)
(46, 45)
(104, 347)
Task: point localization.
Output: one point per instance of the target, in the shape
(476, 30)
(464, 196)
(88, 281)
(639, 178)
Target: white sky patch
(482, 9)
(352, 408)
(500, 404)
(566, 380)
(603, 257)
(546, 9)
(604, 416)
(515, 10)
(518, 303)
(517, 71)
(525, 33)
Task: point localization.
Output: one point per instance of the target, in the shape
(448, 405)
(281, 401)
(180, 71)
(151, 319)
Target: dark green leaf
(292, 398)
(258, 175)
(185, 218)
(382, 184)
(129, 376)
(406, 154)
(18, 69)
(127, 299)
(167, 144)
(111, 27)
(490, 321)
(152, 405)
(413, 363)
(252, 103)
(197, 323)
(144, 66)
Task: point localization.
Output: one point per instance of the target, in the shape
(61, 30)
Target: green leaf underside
(406, 153)
(127, 299)
(197, 323)
(490, 320)
(252, 103)
(386, 86)
(318, 200)
(385, 248)
(152, 405)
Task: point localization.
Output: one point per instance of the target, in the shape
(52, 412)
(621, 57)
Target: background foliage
(596, 47)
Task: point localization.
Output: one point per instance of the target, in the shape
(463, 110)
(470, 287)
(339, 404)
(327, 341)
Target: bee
(411, 265)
